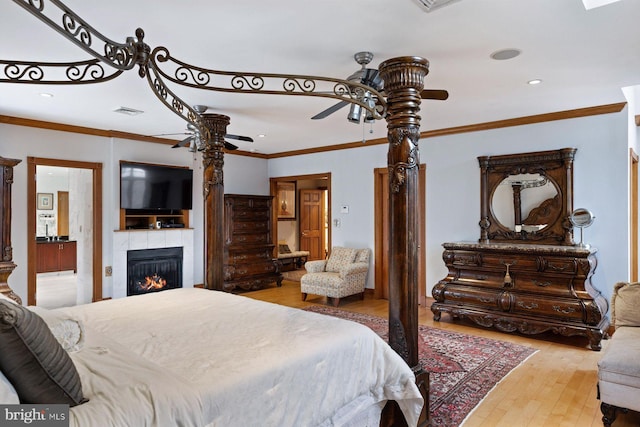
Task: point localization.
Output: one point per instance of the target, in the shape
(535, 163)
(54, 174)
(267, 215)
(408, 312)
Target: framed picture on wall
(45, 201)
(286, 200)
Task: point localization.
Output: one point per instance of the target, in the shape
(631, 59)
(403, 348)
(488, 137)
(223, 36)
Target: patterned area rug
(462, 368)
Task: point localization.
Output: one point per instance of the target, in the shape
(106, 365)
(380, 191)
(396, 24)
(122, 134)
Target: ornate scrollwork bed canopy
(403, 82)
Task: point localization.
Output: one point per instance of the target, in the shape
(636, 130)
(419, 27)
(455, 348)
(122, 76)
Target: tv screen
(155, 187)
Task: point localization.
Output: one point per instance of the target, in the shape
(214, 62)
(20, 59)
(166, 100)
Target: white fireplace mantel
(124, 241)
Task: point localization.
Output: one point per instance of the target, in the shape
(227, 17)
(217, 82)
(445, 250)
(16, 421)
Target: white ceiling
(584, 58)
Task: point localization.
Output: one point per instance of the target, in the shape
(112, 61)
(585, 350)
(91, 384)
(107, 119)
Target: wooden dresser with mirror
(525, 273)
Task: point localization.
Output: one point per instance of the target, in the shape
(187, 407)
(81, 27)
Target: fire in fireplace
(153, 270)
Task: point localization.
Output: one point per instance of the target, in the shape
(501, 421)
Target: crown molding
(518, 121)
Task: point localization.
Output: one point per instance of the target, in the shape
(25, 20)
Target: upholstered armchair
(343, 274)
(619, 366)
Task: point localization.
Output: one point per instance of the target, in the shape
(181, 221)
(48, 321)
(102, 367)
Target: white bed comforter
(195, 357)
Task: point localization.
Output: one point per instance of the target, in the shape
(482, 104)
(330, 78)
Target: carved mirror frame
(554, 165)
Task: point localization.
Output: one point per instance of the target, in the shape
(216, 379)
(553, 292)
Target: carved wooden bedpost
(213, 192)
(6, 258)
(403, 81)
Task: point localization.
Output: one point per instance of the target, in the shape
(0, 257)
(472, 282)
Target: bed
(196, 357)
(174, 388)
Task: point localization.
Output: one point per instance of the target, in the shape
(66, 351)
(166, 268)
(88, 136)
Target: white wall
(453, 186)
(452, 199)
(244, 175)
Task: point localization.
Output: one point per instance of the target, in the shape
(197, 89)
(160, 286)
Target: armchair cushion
(624, 304)
(340, 258)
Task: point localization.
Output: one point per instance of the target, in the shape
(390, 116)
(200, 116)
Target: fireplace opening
(153, 270)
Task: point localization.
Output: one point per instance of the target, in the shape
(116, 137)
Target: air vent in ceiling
(128, 111)
(431, 5)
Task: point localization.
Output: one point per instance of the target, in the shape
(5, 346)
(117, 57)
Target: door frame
(633, 226)
(96, 168)
(378, 203)
(274, 211)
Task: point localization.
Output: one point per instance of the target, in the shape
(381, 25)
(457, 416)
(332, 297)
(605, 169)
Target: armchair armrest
(355, 268)
(315, 266)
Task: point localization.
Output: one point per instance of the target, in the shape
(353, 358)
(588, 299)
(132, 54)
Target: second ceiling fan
(194, 140)
(370, 77)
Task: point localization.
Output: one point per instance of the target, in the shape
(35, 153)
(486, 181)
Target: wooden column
(403, 81)
(6, 258)
(213, 192)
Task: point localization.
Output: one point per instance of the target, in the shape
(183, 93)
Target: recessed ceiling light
(46, 95)
(262, 135)
(534, 82)
(503, 54)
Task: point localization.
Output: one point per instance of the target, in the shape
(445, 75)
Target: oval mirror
(581, 217)
(525, 202)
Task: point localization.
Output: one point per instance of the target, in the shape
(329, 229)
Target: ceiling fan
(370, 77)
(194, 140)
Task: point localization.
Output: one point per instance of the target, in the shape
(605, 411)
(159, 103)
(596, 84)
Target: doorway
(381, 224)
(309, 229)
(80, 216)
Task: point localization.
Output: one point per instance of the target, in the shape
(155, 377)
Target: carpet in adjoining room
(462, 368)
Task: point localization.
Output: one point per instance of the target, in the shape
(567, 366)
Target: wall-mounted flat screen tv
(155, 187)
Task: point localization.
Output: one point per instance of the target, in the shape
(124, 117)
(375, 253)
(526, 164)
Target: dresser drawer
(480, 278)
(564, 309)
(253, 238)
(462, 295)
(233, 272)
(246, 255)
(544, 285)
(562, 265)
(254, 215)
(516, 263)
(250, 203)
(250, 226)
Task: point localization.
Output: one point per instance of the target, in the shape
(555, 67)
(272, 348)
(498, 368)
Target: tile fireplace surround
(124, 241)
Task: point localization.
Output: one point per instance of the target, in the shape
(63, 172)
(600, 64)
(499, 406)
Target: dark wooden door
(312, 223)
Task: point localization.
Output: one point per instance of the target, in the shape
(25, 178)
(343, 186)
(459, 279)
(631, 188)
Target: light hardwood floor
(554, 387)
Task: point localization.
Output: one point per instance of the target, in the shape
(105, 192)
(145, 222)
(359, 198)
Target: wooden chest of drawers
(248, 250)
(523, 287)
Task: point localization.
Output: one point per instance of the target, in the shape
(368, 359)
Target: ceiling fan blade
(230, 146)
(372, 79)
(239, 138)
(169, 134)
(330, 110)
(440, 95)
(184, 142)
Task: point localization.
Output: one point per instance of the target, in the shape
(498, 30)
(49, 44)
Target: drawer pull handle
(482, 277)
(531, 306)
(558, 267)
(542, 284)
(567, 310)
(507, 277)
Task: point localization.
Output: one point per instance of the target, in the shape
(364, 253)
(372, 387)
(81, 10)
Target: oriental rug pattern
(462, 368)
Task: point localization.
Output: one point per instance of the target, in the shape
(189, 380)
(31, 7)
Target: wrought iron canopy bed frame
(404, 80)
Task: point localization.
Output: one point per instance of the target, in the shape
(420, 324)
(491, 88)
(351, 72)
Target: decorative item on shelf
(286, 203)
(581, 218)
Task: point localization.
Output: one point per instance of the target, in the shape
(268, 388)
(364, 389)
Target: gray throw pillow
(33, 361)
